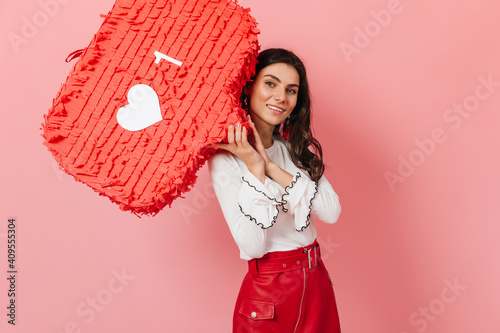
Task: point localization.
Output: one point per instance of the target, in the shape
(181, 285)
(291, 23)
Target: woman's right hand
(239, 146)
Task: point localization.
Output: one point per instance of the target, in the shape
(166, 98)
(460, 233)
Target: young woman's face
(273, 94)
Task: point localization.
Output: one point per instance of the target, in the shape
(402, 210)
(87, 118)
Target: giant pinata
(146, 101)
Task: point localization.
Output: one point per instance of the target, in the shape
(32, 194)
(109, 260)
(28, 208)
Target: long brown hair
(296, 129)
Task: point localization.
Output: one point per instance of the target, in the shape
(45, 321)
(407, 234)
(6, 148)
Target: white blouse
(266, 217)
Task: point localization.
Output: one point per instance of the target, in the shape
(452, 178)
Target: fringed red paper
(143, 106)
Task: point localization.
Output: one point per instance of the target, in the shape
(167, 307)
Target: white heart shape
(142, 111)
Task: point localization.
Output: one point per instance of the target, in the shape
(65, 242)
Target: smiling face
(273, 94)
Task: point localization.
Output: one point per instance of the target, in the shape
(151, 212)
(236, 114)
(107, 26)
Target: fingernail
(238, 125)
(230, 125)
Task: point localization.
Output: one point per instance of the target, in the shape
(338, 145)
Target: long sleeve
(265, 217)
(304, 197)
(248, 206)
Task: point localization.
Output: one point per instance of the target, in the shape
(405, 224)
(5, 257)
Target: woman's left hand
(259, 146)
(271, 169)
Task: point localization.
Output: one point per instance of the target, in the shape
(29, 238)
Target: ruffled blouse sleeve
(258, 201)
(304, 197)
(249, 206)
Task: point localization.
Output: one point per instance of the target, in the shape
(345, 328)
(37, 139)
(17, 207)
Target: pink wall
(416, 246)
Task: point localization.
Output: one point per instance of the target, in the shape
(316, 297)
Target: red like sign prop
(147, 100)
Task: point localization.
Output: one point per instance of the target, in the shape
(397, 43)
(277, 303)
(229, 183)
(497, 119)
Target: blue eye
(270, 84)
(292, 91)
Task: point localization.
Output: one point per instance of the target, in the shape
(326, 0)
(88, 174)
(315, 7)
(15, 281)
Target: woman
(268, 189)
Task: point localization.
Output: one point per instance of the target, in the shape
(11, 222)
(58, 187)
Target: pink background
(396, 251)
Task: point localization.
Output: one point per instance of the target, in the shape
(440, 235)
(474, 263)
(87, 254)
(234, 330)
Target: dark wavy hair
(297, 130)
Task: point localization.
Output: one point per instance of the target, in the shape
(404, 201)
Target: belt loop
(316, 255)
(252, 267)
(310, 258)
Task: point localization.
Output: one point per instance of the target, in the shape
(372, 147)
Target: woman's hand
(239, 146)
(272, 170)
(254, 156)
(259, 146)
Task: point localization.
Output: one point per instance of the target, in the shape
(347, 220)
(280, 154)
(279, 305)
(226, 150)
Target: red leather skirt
(288, 291)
